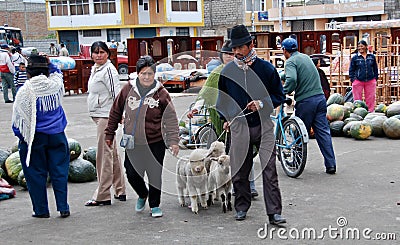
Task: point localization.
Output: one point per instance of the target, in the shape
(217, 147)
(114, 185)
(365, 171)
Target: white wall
(184, 16)
(77, 21)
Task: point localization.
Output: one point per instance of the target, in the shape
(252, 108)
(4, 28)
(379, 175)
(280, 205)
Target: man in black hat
(249, 89)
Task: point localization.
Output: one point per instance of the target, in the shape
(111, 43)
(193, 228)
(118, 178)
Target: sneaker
(140, 204)
(156, 212)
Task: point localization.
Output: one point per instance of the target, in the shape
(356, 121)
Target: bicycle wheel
(291, 149)
(205, 136)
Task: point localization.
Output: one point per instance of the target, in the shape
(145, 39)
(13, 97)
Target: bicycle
(291, 140)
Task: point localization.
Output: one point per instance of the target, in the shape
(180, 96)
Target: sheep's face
(197, 167)
(217, 148)
(224, 163)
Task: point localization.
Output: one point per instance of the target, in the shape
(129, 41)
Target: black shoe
(41, 215)
(331, 170)
(240, 215)
(254, 193)
(9, 101)
(64, 214)
(122, 198)
(276, 219)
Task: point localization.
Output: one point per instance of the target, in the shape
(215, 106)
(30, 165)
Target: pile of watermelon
(352, 119)
(80, 169)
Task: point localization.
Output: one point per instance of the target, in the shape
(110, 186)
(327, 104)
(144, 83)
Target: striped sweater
(20, 78)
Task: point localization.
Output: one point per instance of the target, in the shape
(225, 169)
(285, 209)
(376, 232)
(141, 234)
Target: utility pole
(253, 28)
(280, 15)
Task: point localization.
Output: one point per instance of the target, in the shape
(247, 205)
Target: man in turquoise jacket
(301, 76)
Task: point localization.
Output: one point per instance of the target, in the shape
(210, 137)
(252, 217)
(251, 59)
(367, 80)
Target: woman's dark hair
(363, 42)
(97, 45)
(145, 61)
(315, 60)
(37, 65)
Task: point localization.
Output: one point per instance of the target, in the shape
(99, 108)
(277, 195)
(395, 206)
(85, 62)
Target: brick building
(219, 16)
(28, 15)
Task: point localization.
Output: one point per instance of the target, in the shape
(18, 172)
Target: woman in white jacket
(103, 87)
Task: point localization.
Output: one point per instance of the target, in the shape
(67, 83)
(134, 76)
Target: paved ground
(364, 193)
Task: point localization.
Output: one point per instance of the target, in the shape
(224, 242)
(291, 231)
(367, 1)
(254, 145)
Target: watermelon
(2, 173)
(89, 154)
(360, 111)
(335, 112)
(377, 126)
(349, 105)
(356, 116)
(347, 127)
(81, 171)
(350, 119)
(380, 108)
(372, 115)
(360, 103)
(335, 98)
(393, 109)
(346, 112)
(336, 128)
(75, 149)
(22, 180)
(3, 157)
(13, 166)
(391, 127)
(361, 131)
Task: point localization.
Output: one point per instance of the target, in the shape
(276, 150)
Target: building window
(182, 31)
(59, 8)
(91, 33)
(181, 5)
(79, 7)
(303, 25)
(114, 34)
(157, 7)
(104, 6)
(257, 5)
(367, 18)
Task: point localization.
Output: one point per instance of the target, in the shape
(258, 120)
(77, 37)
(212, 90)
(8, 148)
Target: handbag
(128, 140)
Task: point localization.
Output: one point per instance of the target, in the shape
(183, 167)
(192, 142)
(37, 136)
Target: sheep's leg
(203, 198)
(210, 183)
(195, 208)
(223, 203)
(193, 197)
(229, 197)
(181, 196)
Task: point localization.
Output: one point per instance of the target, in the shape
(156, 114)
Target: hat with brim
(4, 45)
(226, 47)
(240, 36)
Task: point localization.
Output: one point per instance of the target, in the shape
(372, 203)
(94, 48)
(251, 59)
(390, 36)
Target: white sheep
(220, 181)
(217, 148)
(192, 176)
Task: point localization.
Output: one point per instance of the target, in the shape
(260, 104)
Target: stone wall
(222, 14)
(31, 18)
(392, 8)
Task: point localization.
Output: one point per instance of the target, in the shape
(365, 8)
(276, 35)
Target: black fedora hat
(239, 36)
